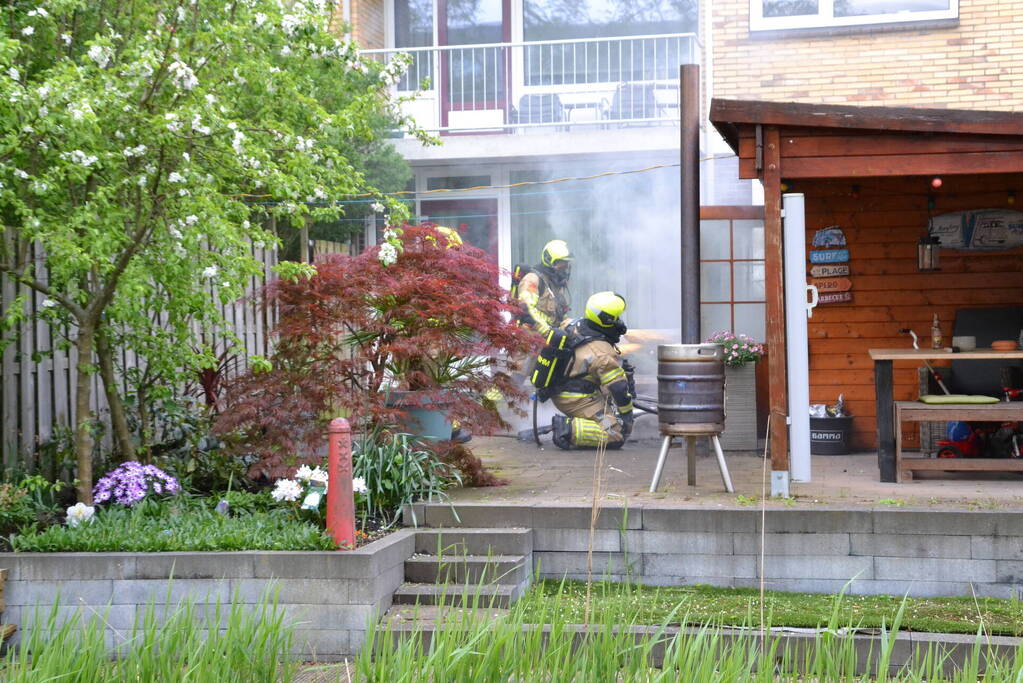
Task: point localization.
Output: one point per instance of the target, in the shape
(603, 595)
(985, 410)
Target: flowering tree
(420, 312)
(142, 143)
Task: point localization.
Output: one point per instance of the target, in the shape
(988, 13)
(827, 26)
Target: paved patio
(550, 475)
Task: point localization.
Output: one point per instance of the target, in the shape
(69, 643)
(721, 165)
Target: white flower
(304, 473)
(175, 177)
(318, 475)
(20, 174)
(359, 485)
(101, 55)
(210, 99)
(28, 30)
(236, 143)
(136, 151)
(290, 22)
(285, 51)
(191, 219)
(390, 235)
(141, 181)
(286, 489)
(182, 75)
(48, 303)
(78, 111)
(303, 144)
(183, 192)
(209, 272)
(79, 157)
(78, 513)
(388, 254)
(260, 19)
(175, 233)
(66, 38)
(43, 91)
(378, 207)
(38, 12)
(13, 73)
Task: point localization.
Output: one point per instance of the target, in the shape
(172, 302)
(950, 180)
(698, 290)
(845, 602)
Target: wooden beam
(774, 283)
(709, 213)
(810, 143)
(904, 164)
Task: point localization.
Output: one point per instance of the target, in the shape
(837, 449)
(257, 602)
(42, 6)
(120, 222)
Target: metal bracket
(779, 484)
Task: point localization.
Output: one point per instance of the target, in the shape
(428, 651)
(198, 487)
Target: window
(732, 277)
(766, 15)
(413, 27)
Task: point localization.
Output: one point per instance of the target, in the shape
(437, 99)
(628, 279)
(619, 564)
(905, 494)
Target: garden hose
(536, 432)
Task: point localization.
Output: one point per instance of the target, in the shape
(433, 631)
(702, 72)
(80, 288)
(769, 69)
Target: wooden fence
(39, 376)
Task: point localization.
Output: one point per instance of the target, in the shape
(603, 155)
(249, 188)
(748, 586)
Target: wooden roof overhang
(776, 140)
(837, 141)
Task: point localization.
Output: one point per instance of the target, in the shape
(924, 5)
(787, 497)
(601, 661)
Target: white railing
(563, 84)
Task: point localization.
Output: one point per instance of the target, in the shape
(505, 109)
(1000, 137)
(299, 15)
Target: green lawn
(740, 606)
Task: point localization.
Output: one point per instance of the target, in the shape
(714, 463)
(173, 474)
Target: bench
(915, 411)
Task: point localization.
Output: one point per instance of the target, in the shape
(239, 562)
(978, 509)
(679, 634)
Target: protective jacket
(545, 297)
(597, 366)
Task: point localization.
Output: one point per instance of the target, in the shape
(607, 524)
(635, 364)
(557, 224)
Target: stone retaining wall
(329, 595)
(876, 551)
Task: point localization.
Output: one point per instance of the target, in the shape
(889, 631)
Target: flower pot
(426, 413)
(740, 409)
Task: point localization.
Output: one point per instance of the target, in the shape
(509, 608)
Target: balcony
(554, 85)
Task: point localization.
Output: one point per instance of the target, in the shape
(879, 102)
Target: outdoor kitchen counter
(883, 359)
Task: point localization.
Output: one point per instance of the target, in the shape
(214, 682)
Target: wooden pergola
(843, 157)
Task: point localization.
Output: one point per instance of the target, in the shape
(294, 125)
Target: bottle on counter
(935, 333)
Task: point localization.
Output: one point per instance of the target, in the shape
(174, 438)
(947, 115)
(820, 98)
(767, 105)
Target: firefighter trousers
(590, 421)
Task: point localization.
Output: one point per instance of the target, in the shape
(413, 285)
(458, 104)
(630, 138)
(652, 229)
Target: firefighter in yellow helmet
(595, 381)
(543, 291)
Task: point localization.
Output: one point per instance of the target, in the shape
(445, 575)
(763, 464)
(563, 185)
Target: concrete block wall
(874, 551)
(330, 597)
(973, 65)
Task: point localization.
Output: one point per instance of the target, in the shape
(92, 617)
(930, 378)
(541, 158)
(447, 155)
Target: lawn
(740, 606)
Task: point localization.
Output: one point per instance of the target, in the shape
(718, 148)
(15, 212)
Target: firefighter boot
(561, 431)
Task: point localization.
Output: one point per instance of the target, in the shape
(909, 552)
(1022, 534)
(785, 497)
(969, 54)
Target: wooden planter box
(740, 409)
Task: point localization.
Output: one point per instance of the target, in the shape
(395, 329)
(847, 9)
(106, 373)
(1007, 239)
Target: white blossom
(175, 177)
(359, 485)
(175, 233)
(14, 73)
(378, 207)
(80, 512)
(285, 51)
(38, 12)
(79, 110)
(318, 475)
(388, 254)
(182, 15)
(260, 19)
(210, 99)
(236, 143)
(209, 272)
(304, 473)
(390, 235)
(304, 144)
(44, 111)
(79, 157)
(48, 303)
(43, 91)
(66, 38)
(183, 192)
(28, 30)
(182, 75)
(141, 182)
(198, 127)
(286, 489)
(136, 151)
(20, 174)
(191, 220)
(119, 135)
(101, 55)
(290, 23)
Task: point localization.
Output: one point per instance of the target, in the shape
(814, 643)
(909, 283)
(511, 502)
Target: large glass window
(606, 61)
(732, 277)
(413, 27)
(783, 14)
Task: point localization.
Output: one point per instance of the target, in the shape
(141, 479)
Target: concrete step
(455, 595)
(470, 569)
(459, 542)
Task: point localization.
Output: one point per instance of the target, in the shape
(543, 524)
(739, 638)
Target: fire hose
(546, 429)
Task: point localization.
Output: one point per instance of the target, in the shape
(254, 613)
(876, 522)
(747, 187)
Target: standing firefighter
(595, 377)
(543, 290)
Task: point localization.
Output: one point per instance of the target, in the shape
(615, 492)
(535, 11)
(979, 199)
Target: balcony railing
(559, 84)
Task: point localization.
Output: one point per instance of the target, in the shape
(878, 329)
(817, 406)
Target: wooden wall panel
(882, 220)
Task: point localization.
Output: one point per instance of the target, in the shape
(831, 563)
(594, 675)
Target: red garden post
(340, 499)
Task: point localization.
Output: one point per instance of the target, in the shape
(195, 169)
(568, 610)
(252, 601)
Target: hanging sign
(834, 284)
(981, 229)
(829, 271)
(835, 298)
(830, 256)
(829, 237)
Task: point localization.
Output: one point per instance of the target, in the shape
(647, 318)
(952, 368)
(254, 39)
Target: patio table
(883, 359)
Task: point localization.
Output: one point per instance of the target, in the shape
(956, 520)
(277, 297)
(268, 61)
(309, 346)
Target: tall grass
(475, 645)
(183, 642)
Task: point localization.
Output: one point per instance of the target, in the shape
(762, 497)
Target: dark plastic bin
(830, 435)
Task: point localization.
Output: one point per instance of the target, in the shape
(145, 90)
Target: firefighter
(595, 380)
(543, 291)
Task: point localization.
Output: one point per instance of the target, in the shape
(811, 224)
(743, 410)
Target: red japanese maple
(435, 321)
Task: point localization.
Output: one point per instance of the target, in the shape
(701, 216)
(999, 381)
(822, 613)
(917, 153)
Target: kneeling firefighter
(593, 376)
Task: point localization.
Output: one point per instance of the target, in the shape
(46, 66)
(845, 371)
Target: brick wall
(977, 65)
(368, 27)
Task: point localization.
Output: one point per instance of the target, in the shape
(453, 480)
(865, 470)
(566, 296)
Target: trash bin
(830, 435)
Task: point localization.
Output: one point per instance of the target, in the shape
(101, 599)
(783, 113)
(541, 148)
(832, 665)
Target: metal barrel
(691, 389)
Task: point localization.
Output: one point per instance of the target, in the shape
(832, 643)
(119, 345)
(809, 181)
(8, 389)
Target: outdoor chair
(538, 108)
(633, 101)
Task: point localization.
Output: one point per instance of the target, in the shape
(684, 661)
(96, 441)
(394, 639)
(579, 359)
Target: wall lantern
(928, 251)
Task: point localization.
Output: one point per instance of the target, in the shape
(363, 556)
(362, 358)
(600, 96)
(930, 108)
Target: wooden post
(774, 264)
(885, 419)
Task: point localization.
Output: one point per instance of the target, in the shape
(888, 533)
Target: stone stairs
(461, 567)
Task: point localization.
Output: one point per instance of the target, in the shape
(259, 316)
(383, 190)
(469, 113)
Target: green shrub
(397, 471)
(185, 524)
(26, 504)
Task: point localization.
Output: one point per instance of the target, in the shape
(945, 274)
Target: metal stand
(690, 448)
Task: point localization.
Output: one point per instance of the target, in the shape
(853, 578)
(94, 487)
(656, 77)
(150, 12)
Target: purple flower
(131, 482)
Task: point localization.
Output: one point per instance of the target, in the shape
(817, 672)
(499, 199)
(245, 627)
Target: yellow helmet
(554, 251)
(604, 308)
(453, 238)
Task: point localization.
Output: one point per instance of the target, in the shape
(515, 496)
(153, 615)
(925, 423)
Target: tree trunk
(118, 418)
(83, 435)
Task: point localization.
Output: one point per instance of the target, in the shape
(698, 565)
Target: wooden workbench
(886, 431)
